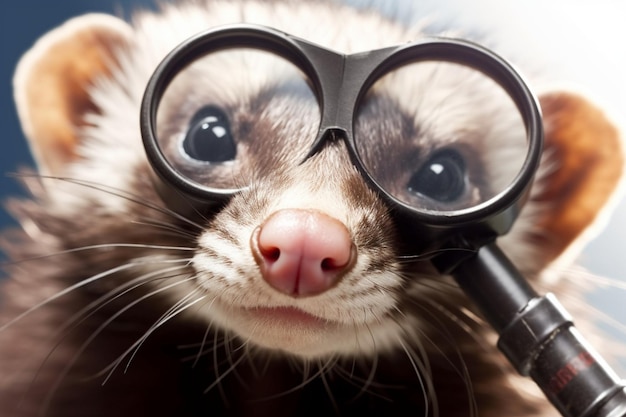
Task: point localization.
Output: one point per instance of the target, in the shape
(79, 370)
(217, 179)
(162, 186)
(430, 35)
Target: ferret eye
(442, 177)
(209, 138)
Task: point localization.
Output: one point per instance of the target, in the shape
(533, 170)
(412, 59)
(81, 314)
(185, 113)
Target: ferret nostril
(271, 254)
(329, 264)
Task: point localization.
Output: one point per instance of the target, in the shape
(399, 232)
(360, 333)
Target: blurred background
(580, 44)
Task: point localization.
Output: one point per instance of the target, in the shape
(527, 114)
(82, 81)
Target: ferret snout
(302, 252)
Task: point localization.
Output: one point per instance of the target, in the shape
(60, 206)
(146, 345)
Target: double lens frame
(339, 82)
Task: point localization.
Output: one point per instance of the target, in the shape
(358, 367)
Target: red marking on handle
(570, 370)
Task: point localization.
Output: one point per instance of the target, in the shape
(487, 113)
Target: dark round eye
(441, 178)
(209, 138)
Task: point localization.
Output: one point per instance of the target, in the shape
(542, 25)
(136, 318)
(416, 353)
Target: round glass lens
(235, 116)
(439, 136)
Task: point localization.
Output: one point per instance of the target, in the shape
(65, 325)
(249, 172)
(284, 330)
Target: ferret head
(307, 260)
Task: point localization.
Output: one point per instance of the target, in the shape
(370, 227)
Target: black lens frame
(339, 82)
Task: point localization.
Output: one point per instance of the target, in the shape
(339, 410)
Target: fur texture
(117, 306)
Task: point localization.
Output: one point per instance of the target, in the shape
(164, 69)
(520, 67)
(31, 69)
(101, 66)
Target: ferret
(300, 295)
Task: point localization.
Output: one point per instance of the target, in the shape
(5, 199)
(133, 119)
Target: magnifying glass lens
(229, 118)
(439, 136)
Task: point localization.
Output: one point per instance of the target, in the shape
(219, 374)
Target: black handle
(539, 338)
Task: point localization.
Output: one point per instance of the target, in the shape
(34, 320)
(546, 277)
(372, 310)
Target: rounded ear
(582, 168)
(52, 82)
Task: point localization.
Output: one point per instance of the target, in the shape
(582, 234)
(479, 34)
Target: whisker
(230, 352)
(174, 311)
(201, 350)
(117, 293)
(61, 376)
(171, 230)
(224, 374)
(419, 371)
(96, 247)
(126, 308)
(72, 288)
(111, 368)
(365, 383)
(78, 318)
(202, 344)
(305, 380)
(265, 366)
(242, 350)
(602, 282)
(353, 379)
(436, 284)
(427, 256)
(329, 391)
(607, 319)
(117, 192)
(216, 369)
(442, 329)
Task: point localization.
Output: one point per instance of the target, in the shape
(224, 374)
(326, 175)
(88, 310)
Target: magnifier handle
(539, 338)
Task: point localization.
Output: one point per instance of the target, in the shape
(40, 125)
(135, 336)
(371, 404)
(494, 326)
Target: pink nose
(302, 252)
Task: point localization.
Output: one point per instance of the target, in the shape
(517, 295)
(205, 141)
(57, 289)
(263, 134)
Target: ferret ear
(583, 166)
(52, 82)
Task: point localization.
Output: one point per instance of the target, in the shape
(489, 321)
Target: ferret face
(308, 260)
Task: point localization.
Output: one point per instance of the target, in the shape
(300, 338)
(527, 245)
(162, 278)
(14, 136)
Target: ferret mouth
(285, 315)
(284, 328)
(295, 331)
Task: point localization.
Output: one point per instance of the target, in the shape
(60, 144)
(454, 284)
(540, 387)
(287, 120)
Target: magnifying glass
(434, 195)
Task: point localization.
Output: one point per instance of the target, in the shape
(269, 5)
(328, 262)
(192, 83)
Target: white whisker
(72, 288)
(216, 368)
(443, 330)
(166, 227)
(306, 379)
(329, 390)
(174, 311)
(100, 303)
(602, 282)
(125, 309)
(96, 247)
(119, 313)
(419, 370)
(223, 375)
(78, 352)
(124, 194)
(427, 256)
(202, 345)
